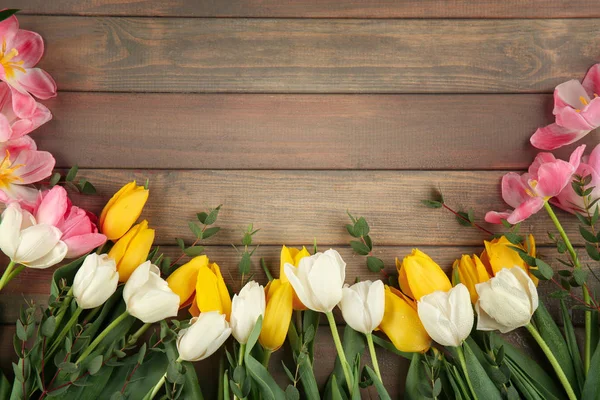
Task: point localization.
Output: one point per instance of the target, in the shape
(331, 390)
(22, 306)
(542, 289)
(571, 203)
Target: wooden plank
(35, 284)
(291, 55)
(295, 207)
(319, 8)
(233, 131)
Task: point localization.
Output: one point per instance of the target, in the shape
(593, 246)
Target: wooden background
(290, 112)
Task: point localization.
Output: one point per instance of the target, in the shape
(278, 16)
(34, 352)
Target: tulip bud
(278, 314)
(447, 316)
(95, 281)
(183, 280)
(291, 255)
(401, 323)
(205, 335)
(318, 280)
(28, 243)
(419, 275)
(362, 305)
(132, 249)
(148, 296)
(122, 210)
(471, 271)
(246, 307)
(211, 291)
(506, 302)
(500, 253)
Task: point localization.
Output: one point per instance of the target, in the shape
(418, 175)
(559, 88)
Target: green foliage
(245, 264)
(359, 228)
(83, 186)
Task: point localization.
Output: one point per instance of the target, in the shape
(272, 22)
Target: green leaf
(49, 326)
(389, 346)
(360, 247)
(572, 345)
(202, 216)
(463, 218)
(196, 230)
(54, 179)
(374, 264)
(353, 344)
(267, 385)
(482, 384)
(361, 227)
(291, 393)
(211, 218)
(194, 251)
(350, 229)
(180, 243)
(21, 332)
(432, 203)
(542, 270)
(253, 338)
(86, 187)
(383, 394)
(591, 389)
(7, 14)
(587, 235)
(208, 232)
(579, 276)
(592, 252)
(416, 375)
(94, 365)
(245, 264)
(72, 173)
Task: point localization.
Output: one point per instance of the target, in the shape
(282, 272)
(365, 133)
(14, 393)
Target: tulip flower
(246, 307)
(95, 281)
(20, 51)
(19, 170)
(499, 253)
(205, 335)
(148, 296)
(183, 280)
(577, 112)
(470, 271)
(447, 316)
(78, 231)
(132, 249)
(211, 292)
(292, 256)
(529, 193)
(278, 314)
(506, 302)
(122, 210)
(570, 201)
(13, 127)
(419, 275)
(362, 305)
(401, 323)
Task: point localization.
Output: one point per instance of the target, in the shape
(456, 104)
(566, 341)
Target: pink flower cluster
(577, 113)
(21, 163)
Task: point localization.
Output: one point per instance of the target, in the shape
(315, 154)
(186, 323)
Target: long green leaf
(591, 389)
(191, 388)
(5, 387)
(414, 377)
(572, 345)
(253, 338)
(66, 272)
(383, 394)
(268, 387)
(354, 345)
(482, 384)
(389, 346)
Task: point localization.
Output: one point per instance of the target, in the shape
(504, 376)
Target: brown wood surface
(320, 8)
(292, 55)
(234, 131)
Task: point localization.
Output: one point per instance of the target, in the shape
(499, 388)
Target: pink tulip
(577, 112)
(21, 169)
(11, 126)
(78, 227)
(20, 51)
(570, 201)
(527, 193)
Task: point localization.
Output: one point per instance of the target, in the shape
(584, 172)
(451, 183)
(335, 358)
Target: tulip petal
(53, 206)
(526, 210)
(591, 82)
(30, 47)
(432, 310)
(10, 227)
(83, 244)
(402, 325)
(39, 83)
(569, 94)
(183, 280)
(553, 177)
(36, 242)
(278, 314)
(53, 257)
(461, 311)
(514, 189)
(8, 29)
(553, 136)
(325, 283)
(36, 166)
(292, 273)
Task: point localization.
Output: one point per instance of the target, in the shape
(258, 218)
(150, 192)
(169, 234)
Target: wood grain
(35, 284)
(296, 207)
(319, 8)
(233, 131)
(291, 55)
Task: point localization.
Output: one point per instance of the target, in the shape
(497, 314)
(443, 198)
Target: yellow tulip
(401, 323)
(278, 314)
(211, 291)
(291, 255)
(471, 271)
(132, 249)
(499, 254)
(419, 275)
(122, 210)
(183, 280)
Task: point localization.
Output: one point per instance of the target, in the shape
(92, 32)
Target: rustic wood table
(290, 112)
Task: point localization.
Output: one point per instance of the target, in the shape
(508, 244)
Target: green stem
(4, 280)
(263, 264)
(463, 364)
(135, 337)
(586, 294)
(63, 307)
(160, 383)
(15, 272)
(241, 353)
(266, 357)
(101, 336)
(340, 350)
(58, 341)
(557, 368)
(373, 355)
(298, 316)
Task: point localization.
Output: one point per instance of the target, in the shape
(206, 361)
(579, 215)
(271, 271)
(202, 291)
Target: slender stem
(160, 383)
(15, 272)
(135, 337)
(101, 336)
(263, 264)
(340, 350)
(586, 294)
(373, 355)
(58, 341)
(63, 307)
(463, 364)
(241, 353)
(298, 316)
(266, 357)
(6, 274)
(557, 368)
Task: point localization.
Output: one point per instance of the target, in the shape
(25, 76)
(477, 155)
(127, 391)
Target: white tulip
(95, 281)
(362, 305)
(28, 243)
(318, 280)
(506, 302)
(148, 296)
(206, 334)
(246, 307)
(447, 316)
